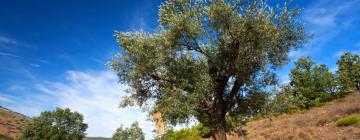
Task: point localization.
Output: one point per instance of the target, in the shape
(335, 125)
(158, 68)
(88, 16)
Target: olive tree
(205, 56)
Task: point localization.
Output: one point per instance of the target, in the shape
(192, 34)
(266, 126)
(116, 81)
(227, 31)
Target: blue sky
(53, 53)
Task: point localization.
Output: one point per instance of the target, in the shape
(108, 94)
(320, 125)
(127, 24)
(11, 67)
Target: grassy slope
(317, 123)
(11, 123)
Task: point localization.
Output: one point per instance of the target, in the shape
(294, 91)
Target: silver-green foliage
(206, 57)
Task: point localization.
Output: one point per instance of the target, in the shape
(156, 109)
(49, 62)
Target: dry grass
(315, 124)
(11, 123)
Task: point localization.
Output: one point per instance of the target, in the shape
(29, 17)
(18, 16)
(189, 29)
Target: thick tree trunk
(219, 119)
(219, 131)
(218, 109)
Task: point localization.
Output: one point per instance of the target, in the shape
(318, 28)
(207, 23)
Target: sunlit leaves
(205, 50)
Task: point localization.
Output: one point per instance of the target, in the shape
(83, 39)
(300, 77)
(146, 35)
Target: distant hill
(314, 124)
(96, 138)
(11, 123)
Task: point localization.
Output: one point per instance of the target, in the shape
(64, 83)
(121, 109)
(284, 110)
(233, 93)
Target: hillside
(11, 122)
(317, 123)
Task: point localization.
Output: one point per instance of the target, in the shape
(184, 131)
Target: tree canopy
(206, 57)
(312, 82)
(61, 124)
(134, 132)
(349, 71)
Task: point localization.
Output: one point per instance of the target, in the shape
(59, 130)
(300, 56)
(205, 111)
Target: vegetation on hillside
(317, 123)
(349, 71)
(311, 83)
(11, 123)
(61, 124)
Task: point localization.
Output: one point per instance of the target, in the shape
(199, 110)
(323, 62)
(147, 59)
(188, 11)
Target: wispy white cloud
(43, 61)
(326, 13)
(8, 41)
(356, 50)
(25, 101)
(140, 17)
(5, 98)
(16, 57)
(325, 19)
(34, 65)
(9, 54)
(96, 95)
(17, 87)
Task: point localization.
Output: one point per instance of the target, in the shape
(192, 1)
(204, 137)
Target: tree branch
(208, 104)
(196, 48)
(156, 77)
(235, 89)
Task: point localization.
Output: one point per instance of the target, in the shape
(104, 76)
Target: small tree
(205, 56)
(61, 124)
(132, 133)
(311, 82)
(349, 71)
(283, 102)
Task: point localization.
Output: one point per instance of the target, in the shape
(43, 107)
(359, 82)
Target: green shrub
(348, 120)
(283, 102)
(182, 134)
(196, 132)
(203, 131)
